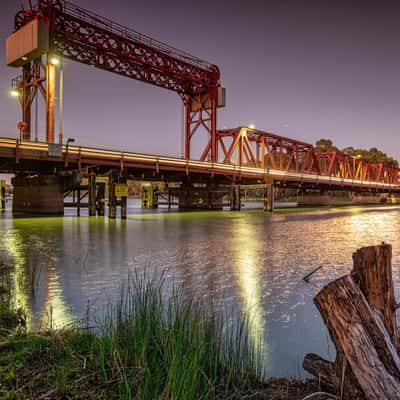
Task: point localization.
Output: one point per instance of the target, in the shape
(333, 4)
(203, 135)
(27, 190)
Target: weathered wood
(372, 271)
(322, 369)
(359, 333)
(335, 377)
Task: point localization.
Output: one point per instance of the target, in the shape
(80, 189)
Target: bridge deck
(27, 156)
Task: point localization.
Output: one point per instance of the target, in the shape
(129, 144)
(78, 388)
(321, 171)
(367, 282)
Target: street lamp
(252, 126)
(54, 60)
(14, 92)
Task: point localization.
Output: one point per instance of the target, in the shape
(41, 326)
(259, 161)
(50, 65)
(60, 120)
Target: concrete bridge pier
(367, 198)
(313, 199)
(202, 197)
(38, 195)
(393, 199)
(269, 198)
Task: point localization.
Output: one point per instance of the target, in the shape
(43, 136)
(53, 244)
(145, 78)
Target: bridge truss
(249, 147)
(85, 37)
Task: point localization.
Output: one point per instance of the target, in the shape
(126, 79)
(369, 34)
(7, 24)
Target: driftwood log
(359, 311)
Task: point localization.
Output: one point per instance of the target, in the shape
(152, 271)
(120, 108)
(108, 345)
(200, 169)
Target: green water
(251, 259)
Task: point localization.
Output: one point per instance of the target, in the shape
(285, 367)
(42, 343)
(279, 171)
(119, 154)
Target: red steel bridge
(50, 30)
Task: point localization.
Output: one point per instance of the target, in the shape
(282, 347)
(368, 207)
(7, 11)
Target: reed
(176, 347)
(153, 343)
(12, 317)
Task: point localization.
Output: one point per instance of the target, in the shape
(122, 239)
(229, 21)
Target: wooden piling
(100, 199)
(269, 198)
(112, 201)
(235, 198)
(92, 193)
(78, 203)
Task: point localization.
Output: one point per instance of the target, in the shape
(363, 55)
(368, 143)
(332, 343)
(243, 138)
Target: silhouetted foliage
(325, 145)
(372, 155)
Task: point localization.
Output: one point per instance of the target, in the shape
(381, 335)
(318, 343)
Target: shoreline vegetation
(148, 346)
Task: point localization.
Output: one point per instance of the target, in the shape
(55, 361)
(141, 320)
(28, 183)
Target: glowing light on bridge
(14, 92)
(54, 60)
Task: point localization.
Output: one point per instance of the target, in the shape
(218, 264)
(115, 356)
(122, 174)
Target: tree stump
(372, 271)
(359, 312)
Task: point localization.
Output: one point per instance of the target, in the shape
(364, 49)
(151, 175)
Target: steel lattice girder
(344, 166)
(266, 150)
(85, 37)
(254, 148)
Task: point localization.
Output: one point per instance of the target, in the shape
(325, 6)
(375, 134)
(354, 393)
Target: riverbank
(147, 347)
(69, 364)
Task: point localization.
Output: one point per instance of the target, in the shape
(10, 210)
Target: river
(251, 259)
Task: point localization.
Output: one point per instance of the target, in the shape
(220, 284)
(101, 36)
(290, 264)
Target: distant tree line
(372, 155)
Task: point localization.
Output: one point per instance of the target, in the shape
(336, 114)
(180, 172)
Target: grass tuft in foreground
(11, 317)
(149, 346)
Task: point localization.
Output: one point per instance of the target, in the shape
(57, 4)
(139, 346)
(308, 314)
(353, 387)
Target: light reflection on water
(252, 259)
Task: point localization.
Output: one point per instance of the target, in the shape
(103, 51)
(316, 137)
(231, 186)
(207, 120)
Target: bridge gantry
(53, 28)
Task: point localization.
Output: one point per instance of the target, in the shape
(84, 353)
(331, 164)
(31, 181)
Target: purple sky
(303, 69)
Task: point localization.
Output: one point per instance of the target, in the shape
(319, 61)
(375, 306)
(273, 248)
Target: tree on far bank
(373, 155)
(324, 146)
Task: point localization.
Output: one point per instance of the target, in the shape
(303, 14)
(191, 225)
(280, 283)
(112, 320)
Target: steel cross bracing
(80, 35)
(83, 36)
(248, 147)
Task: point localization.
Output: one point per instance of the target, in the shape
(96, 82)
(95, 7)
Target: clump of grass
(175, 347)
(149, 346)
(12, 318)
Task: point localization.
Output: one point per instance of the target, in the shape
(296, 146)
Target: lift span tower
(53, 28)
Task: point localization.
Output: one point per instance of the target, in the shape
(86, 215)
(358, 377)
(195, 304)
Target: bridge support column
(92, 194)
(100, 199)
(269, 198)
(123, 202)
(235, 198)
(205, 197)
(2, 195)
(112, 200)
(38, 195)
(149, 196)
(367, 198)
(393, 199)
